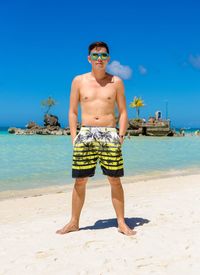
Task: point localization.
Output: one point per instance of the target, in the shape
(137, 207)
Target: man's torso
(97, 100)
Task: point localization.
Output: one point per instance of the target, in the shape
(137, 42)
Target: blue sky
(154, 44)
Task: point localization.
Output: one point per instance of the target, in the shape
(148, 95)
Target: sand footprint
(89, 243)
(43, 254)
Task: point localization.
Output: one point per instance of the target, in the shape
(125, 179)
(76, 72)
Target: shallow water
(38, 161)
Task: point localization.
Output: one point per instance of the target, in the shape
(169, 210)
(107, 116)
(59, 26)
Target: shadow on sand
(107, 223)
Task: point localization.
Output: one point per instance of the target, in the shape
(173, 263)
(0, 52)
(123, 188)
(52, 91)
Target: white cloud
(142, 70)
(195, 61)
(116, 68)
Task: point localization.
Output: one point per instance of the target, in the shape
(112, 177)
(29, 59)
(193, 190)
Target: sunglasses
(103, 56)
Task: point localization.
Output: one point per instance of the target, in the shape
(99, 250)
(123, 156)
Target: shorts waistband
(97, 128)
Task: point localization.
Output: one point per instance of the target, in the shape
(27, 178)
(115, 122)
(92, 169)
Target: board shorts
(93, 144)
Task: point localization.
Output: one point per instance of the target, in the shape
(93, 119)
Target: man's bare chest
(90, 92)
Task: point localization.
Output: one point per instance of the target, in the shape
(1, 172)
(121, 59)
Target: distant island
(154, 126)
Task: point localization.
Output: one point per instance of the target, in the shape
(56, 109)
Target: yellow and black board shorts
(93, 144)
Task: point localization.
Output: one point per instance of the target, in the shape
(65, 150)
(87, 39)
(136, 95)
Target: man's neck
(98, 74)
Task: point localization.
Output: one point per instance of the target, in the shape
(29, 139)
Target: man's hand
(121, 138)
(73, 140)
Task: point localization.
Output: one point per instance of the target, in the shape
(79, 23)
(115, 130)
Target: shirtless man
(97, 92)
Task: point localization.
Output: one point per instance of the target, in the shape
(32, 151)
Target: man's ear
(89, 59)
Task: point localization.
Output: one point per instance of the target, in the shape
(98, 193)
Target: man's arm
(73, 107)
(121, 103)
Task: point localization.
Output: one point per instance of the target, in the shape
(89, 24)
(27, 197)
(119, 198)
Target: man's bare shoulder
(117, 79)
(81, 77)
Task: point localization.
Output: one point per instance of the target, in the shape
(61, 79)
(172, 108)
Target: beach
(163, 210)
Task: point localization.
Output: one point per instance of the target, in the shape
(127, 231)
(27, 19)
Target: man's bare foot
(124, 229)
(70, 227)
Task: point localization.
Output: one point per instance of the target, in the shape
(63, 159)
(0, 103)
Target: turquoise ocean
(28, 162)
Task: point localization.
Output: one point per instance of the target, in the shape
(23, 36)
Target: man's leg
(117, 194)
(78, 197)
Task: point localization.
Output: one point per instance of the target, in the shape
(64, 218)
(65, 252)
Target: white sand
(168, 244)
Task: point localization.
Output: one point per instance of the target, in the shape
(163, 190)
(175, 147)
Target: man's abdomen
(107, 120)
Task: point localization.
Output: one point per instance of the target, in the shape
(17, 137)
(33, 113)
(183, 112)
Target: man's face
(99, 58)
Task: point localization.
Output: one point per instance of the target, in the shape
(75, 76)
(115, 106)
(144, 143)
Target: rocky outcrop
(32, 125)
(134, 124)
(39, 131)
(13, 130)
(153, 127)
(135, 128)
(136, 132)
(51, 120)
(51, 127)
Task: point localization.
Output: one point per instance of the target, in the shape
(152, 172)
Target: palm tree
(48, 103)
(104, 135)
(137, 103)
